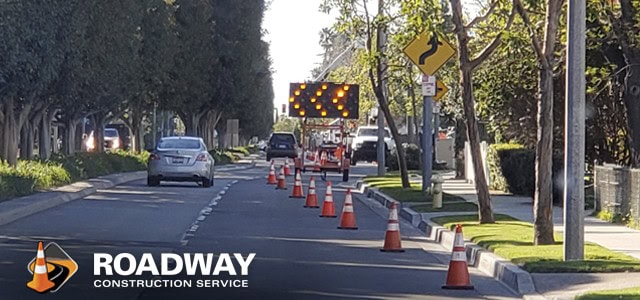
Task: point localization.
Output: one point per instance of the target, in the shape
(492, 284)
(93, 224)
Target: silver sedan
(180, 159)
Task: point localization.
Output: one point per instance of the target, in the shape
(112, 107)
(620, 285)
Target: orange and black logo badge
(51, 268)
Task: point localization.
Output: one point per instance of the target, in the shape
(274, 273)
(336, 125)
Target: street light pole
(574, 133)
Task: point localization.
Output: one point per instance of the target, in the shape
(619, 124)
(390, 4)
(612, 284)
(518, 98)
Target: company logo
(51, 268)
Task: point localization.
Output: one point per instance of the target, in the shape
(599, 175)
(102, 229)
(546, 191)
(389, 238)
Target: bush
(31, 175)
(242, 150)
(412, 154)
(88, 165)
(223, 157)
(512, 170)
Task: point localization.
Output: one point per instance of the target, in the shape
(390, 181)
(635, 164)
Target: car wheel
(268, 158)
(207, 182)
(353, 162)
(153, 181)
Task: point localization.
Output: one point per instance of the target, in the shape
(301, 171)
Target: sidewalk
(615, 237)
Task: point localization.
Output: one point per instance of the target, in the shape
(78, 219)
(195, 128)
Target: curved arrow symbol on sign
(434, 42)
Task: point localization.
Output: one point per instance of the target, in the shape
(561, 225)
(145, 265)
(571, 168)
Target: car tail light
(154, 157)
(201, 157)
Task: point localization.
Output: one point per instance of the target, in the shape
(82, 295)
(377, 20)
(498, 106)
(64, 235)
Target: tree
(621, 17)
(467, 66)
(543, 193)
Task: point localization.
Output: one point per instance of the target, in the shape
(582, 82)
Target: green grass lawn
(512, 239)
(626, 294)
(446, 207)
(392, 186)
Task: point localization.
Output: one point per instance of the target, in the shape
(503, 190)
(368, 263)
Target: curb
(21, 207)
(484, 260)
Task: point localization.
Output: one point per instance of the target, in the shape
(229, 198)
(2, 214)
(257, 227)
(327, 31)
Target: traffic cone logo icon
(328, 209)
(348, 217)
(272, 175)
(282, 184)
(392, 242)
(458, 273)
(51, 268)
(287, 170)
(297, 187)
(40, 282)
(312, 198)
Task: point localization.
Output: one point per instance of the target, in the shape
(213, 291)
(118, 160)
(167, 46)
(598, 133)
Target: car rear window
(111, 132)
(282, 139)
(179, 144)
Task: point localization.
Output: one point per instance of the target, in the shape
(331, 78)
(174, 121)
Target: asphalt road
(298, 254)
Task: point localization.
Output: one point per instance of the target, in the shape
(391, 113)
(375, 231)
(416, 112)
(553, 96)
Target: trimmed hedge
(412, 154)
(512, 170)
(30, 176)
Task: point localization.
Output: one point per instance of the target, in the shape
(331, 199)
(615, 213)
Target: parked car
(112, 140)
(282, 144)
(180, 159)
(365, 143)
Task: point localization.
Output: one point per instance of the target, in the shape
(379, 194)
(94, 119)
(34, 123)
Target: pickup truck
(365, 143)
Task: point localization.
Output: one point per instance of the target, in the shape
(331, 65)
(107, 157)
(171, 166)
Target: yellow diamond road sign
(441, 90)
(429, 51)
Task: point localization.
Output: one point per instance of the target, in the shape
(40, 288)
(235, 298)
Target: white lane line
(222, 192)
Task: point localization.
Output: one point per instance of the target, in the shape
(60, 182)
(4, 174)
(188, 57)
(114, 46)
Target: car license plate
(282, 146)
(178, 160)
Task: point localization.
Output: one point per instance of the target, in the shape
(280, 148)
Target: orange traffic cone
(287, 170)
(458, 273)
(392, 242)
(328, 209)
(316, 162)
(323, 158)
(272, 175)
(297, 187)
(312, 198)
(282, 184)
(40, 282)
(348, 217)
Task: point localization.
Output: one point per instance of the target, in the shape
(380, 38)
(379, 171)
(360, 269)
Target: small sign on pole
(429, 85)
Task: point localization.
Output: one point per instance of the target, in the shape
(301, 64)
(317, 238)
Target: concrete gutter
(484, 260)
(21, 207)
(18, 208)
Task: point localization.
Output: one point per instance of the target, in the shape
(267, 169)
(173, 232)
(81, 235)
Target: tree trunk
(98, 131)
(485, 212)
(44, 138)
(11, 132)
(543, 196)
(26, 141)
(70, 137)
(402, 160)
(631, 100)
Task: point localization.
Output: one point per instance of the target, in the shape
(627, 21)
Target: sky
(293, 31)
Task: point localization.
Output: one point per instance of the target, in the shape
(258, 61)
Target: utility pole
(574, 133)
(427, 140)
(382, 45)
